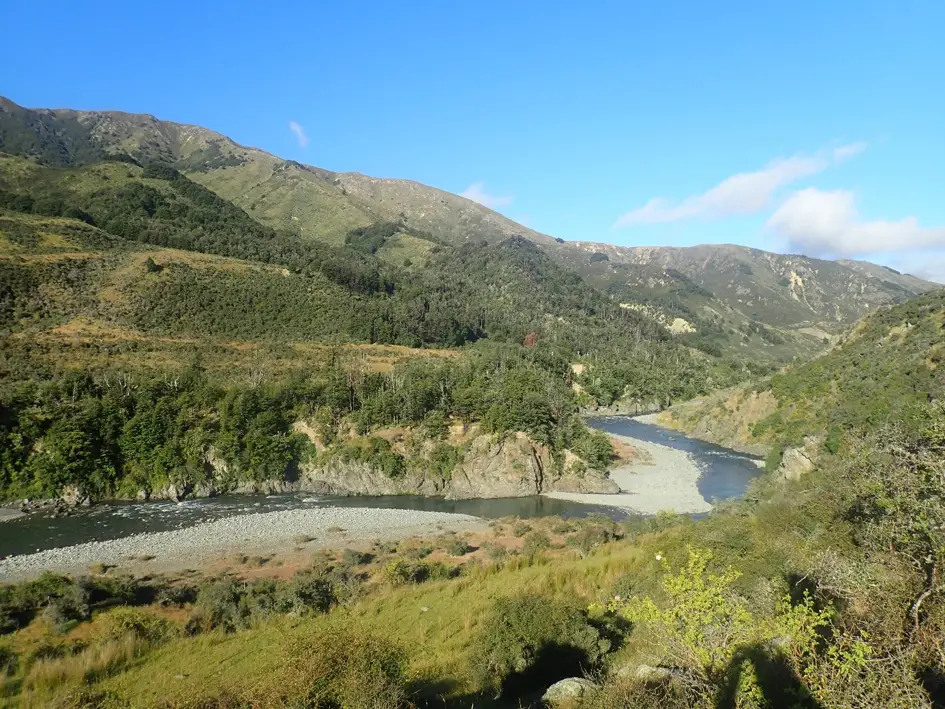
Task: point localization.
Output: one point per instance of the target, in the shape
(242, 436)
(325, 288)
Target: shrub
(122, 621)
(622, 587)
(457, 547)
(532, 639)
(535, 542)
(589, 537)
(496, 552)
(353, 557)
(416, 553)
(177, 595)
(561, 526)
(308, 592)
(220, 605)
(521, 529)
(72, 606)
(19, 603)
(342, 667)
(9, 662)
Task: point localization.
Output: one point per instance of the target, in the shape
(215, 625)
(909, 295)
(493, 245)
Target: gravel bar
(665, 481)
(273, 531)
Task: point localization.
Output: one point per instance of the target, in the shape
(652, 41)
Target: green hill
(743, 302)
(885, 371)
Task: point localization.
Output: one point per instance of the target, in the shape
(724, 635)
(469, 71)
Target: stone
(795, 464)
(570, 688)
(75, 496)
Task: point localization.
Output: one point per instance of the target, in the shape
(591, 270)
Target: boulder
(570, 688)
(75, 496)
(794, 464)
(797, 462)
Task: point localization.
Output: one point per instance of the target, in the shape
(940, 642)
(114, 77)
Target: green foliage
(9, 661)
(704, 621)
(457, 547)
(887, 370)
(230, 605)
(535, 542)
(373, 451)
(527, 632)
(400, 572)
(145, 626)
(21, 602)
(345, 667)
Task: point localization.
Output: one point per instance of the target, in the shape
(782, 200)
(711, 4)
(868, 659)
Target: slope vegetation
(743, 302)
(886, 371)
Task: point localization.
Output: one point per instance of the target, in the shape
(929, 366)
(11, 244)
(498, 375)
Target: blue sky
(805, 126)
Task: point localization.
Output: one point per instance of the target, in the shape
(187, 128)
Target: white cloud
(299, 133)
(477, 193)
(744, 193)
(827, 223)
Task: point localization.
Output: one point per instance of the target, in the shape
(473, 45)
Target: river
(723, 474)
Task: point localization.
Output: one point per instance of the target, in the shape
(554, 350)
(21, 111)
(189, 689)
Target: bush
(9, 662)
(589, 537)
(20, 603)
(496, 552)
(308, 592)
(623, 587)
(535, 542)
(400, 572)
(521, 529)
(122, 621)
(177, 595)
(342, 667)
(457, 547)
(353, 557)
(220, 605)
(532, 640)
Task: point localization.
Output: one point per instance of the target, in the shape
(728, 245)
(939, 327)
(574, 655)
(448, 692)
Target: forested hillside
(151, 327)
(742, 302)
(884, 372)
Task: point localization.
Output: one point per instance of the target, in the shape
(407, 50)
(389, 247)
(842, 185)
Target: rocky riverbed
(664, 479)
(269, 532)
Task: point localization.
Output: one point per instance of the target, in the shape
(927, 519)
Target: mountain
(740, 298)
(283, 194)
(721, 299)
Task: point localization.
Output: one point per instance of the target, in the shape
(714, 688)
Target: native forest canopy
(183, 316)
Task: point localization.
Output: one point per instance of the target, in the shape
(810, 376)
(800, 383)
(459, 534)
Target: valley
(289, 437)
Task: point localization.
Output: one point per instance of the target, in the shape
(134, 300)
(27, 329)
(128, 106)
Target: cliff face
(513, 467)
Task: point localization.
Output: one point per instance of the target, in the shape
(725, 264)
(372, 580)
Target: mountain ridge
(728, 297)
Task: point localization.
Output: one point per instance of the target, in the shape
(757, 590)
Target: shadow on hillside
(521, 690)
(779, 684)
(933, 680)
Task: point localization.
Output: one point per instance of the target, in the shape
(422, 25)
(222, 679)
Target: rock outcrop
(518, 467)
(356, 478)
(491, 467)
(797, 462)
(567, 689)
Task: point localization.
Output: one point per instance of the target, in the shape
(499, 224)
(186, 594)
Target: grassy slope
(81, 298)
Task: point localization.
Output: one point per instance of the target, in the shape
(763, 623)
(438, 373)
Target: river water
(725, 474)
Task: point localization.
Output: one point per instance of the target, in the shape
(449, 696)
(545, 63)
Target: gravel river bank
(270, 532)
